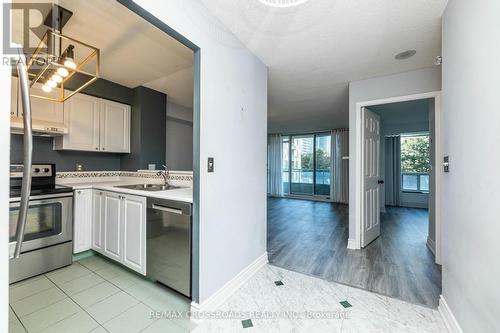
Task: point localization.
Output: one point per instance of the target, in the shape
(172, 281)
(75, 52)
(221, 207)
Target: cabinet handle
(102, 148)
(79, 192)
(96, 148)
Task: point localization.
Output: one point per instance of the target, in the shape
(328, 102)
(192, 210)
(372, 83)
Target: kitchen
(110, 186)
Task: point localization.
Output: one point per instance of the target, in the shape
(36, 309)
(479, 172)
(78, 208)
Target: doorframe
(358, 168)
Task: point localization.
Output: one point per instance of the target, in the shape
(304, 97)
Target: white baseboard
(432, 246)
(228, 289)
(352, 244)
(449, 319)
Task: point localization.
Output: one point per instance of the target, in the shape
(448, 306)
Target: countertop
(182, 194)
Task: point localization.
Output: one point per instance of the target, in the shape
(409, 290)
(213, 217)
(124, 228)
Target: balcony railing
(415, 182)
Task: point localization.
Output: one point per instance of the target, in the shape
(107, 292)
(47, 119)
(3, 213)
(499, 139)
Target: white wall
(179, 137)
(408, 83)
(233, 130)
(4, 193)
(471, 120)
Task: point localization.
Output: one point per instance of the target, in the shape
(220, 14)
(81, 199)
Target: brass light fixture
(60, 62)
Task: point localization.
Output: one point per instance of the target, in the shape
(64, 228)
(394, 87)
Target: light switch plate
(210, 164)
(446, 164)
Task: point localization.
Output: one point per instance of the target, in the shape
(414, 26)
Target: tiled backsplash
(184, 177)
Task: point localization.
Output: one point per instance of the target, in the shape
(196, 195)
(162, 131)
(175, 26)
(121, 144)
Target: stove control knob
(46, 170)
(36, 170)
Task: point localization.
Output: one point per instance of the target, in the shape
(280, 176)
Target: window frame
(418, 174)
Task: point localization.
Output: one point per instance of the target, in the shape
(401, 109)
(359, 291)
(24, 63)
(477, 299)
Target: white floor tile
(28, 287)
(111, 307)
(133, 320)
(94, 262)
(50, 315)
(110, 272)
(95, 294)
(16, 328)
(80, 322)
(66, 274)
(38, 301)
(123, 281)
(82, 283)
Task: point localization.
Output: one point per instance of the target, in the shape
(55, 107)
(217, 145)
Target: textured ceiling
(314, 49)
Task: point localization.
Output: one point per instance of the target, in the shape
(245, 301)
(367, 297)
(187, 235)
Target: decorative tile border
(98, 174)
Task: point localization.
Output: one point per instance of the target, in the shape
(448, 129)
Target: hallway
(311, 237)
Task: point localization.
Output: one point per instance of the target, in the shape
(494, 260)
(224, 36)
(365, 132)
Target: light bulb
(51, 84)
(46, 88)
(56, 78)
(62, 71)
(69, 63)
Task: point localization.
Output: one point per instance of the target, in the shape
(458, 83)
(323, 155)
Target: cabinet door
(81, 116)
(43, 109)
(14, 96)
(112, 225)
(134, 233)
(98, 221)
(115, 127)
(82, 221)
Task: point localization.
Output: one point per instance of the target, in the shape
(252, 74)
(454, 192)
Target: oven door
(49, 222)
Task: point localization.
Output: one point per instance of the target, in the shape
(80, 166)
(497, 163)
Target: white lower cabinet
(82, 226)
(119, 228)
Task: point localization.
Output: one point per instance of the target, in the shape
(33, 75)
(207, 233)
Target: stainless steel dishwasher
(168, 244)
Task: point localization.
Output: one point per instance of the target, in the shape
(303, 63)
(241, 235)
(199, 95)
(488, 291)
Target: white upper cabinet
(43, 109)
(115, 127)
(81, 115)
(95, 124)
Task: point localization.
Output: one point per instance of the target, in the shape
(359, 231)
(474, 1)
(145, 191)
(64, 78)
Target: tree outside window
(415, 163)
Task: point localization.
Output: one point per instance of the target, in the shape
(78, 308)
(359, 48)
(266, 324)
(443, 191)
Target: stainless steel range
(48, 229)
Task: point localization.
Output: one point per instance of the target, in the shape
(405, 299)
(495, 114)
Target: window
(306, 164)
(415, 163)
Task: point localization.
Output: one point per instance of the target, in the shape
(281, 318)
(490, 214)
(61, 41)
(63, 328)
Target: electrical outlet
(79, 167)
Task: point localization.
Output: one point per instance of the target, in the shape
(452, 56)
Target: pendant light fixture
(61, 63)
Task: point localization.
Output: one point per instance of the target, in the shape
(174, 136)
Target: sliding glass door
(323, 164)
(302, 165)
(306, 163)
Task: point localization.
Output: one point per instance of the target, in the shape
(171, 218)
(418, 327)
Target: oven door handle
(28, 153)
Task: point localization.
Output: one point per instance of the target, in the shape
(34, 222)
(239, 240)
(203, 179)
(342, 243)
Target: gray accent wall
(64, 160)
(179, 137)
(147, 135)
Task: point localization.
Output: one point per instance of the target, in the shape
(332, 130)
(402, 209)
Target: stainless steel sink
(149, 187)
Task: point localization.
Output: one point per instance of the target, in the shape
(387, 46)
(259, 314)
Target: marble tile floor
(95, 295)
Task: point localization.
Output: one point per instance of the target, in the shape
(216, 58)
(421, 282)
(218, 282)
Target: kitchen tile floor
(95, 295)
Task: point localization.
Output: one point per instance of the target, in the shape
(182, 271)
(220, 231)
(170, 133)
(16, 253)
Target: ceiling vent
(282, 3)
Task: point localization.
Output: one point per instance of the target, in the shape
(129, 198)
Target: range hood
(40, 128)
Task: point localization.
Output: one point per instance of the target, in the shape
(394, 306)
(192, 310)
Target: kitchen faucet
(164, 174)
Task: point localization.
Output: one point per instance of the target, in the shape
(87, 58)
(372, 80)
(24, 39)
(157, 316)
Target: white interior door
(371, 175)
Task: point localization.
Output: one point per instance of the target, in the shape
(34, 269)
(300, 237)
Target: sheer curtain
(274, 183)
(340, 165)
(392, 170)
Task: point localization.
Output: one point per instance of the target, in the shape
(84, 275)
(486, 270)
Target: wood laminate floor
(310, 237)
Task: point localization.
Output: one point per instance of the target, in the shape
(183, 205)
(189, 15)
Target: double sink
(149, 187)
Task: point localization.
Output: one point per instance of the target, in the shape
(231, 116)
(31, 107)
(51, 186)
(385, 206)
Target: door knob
(380, 182)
